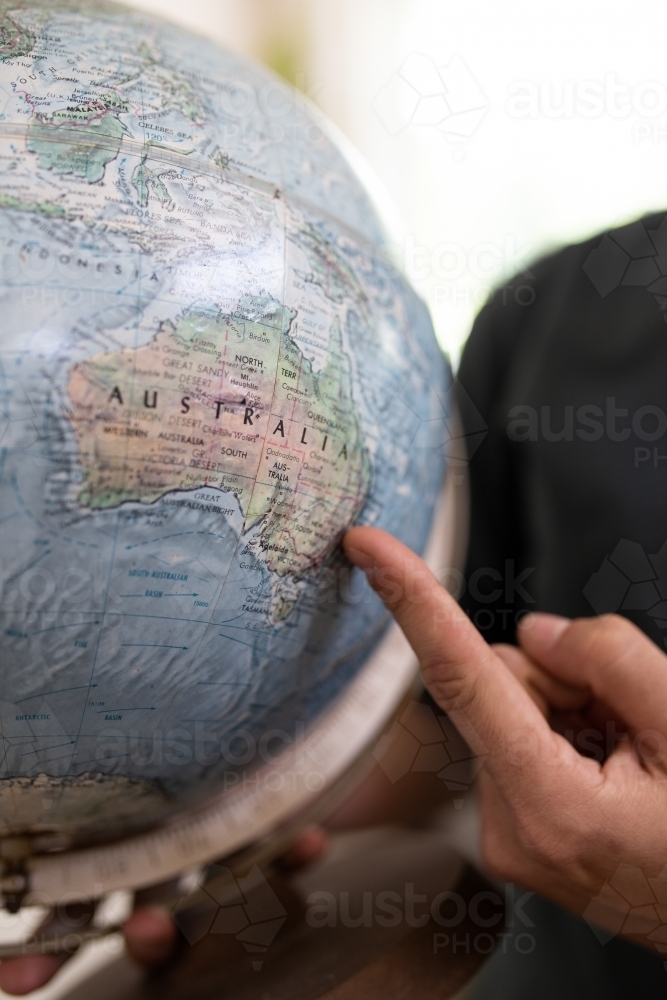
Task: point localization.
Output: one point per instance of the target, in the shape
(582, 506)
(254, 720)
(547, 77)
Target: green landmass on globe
(209, 370)
(191, 409)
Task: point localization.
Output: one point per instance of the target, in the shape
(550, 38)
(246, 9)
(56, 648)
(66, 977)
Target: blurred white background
(502, 128)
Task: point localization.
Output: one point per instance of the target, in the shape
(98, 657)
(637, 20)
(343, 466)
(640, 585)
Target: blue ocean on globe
(209, 369)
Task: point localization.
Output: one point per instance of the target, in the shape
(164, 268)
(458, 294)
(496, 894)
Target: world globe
(209, 370)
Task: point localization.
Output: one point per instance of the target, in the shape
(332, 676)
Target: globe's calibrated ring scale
(208, 371)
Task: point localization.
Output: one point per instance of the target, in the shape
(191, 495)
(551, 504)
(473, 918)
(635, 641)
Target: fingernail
(545, 629)
(359, 558)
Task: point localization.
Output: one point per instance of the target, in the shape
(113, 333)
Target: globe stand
(14, 879)
(250, 826)
(290, 949)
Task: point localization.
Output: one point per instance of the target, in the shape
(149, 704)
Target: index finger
(469, 681)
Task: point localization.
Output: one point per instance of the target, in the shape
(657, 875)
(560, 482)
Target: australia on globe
(209, 370)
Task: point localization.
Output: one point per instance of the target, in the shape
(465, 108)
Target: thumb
(610, 656)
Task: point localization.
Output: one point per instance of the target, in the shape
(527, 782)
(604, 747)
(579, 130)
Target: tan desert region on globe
(209, 369)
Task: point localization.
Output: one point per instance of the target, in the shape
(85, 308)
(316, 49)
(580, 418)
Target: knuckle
(451, 685)
(601, 638)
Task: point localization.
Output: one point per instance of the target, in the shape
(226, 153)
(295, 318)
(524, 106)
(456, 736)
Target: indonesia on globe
(209, 370)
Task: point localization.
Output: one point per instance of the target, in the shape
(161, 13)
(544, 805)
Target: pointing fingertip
(355, 547)
(359, 558)
(543, 630)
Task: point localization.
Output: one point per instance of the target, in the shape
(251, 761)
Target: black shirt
(563, 393)
(567, 368)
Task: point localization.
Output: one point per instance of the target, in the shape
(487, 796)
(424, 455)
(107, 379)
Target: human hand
(553, 820)
(150, 933)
